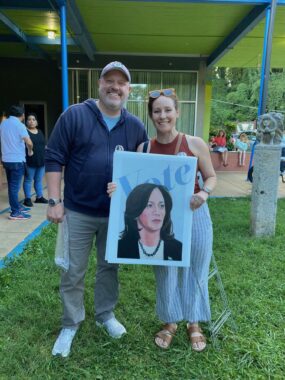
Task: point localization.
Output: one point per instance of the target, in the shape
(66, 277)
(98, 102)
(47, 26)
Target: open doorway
(40, 109)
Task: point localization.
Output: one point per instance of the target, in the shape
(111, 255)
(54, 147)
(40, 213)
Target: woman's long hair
(136, 202)
(223, 132)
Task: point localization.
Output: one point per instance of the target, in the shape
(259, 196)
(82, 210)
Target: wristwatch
(53, 202)
(207, 190)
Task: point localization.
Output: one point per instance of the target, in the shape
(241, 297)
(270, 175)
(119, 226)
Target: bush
(230, 128)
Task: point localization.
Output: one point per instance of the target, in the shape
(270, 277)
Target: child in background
(242, 144)
(212, 143)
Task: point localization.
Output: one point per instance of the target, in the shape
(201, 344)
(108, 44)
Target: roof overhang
(226, 32)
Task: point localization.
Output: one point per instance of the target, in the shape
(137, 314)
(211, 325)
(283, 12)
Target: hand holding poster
(150, 218)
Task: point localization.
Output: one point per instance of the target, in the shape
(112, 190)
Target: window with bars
(84, 85)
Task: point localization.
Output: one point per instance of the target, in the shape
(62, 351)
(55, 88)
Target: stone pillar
(265, 189)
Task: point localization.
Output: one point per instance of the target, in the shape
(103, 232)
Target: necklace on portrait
(152, 253)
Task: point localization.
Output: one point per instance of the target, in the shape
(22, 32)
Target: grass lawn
(253, 276)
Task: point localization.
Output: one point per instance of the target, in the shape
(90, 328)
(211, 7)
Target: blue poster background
(177, 173)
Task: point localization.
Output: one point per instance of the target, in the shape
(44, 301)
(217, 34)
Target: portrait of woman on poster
(148, 232)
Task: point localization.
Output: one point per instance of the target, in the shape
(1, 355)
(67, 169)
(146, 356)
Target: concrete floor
(15, 234)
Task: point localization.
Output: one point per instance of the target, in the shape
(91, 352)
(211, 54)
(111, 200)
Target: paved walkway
(15, 234)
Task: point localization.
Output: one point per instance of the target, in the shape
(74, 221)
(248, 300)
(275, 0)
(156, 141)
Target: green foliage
(276, 98)
(236, 94)
(229, 128)
(252, 270)
(213, 132)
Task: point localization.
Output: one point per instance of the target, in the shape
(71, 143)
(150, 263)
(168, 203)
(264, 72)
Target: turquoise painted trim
(46, 41)
(21, 246)
(245, 2)
(45, 5)
(81, 36)
(13, 28)
(35, 40)
(61, 3)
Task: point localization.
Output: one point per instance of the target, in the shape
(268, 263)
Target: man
(83, 141)
(14, 136)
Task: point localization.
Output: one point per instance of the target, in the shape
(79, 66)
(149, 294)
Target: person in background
(3, 116)
(35, 169)
(212, 143)
(83, 142)
(14, 137)
(218, 145)
(242, 145)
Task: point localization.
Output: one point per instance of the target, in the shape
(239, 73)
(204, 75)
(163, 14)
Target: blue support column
(64, 63)
(265, 69)
(267, 48)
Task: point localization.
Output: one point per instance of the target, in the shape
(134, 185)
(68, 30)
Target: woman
(35, 169)
(148, 226)
(219, 145)
(182, 293)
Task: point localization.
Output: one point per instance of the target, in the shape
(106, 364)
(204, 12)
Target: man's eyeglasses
(166, 92)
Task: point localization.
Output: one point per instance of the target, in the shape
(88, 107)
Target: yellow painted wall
(207, 114)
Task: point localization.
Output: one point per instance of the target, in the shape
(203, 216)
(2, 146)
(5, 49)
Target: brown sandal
(166, 334)
(196, 337)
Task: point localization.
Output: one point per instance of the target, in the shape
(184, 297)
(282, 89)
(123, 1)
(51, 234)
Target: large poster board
(152, 197)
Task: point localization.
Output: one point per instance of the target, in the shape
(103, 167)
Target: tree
(236, 94)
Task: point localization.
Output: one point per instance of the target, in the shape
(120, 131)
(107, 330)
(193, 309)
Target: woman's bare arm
(200, 149)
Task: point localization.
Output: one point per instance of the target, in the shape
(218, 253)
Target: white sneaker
(114, 328)
(63, 343)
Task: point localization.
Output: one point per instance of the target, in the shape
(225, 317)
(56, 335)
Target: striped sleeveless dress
(182, 293)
